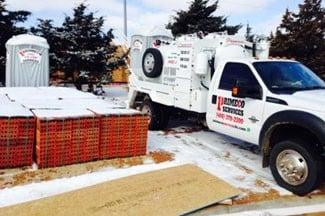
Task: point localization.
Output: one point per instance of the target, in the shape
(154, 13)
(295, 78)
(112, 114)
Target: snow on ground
(117, 95)
(229, 159)
(234, 161)
(226, 158)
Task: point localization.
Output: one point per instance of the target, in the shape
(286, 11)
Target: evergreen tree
(8, 28)
(248, 35)
(302, 36)
(79, 45)
(271, 37)
(85, 47)
(55, 37)
(199, 18)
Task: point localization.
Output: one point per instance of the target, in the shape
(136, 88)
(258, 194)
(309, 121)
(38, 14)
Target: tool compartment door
(182, 93)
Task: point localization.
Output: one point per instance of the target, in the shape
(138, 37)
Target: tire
(152, 63)
(165, 117)
(303, 155)
(203, 123)
(155, 112)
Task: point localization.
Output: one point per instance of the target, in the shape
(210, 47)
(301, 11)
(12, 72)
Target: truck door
(236, 117)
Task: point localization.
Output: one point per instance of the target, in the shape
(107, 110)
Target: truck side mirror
(242, 91)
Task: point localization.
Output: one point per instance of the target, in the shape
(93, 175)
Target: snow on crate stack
(123, 133)
(66, 93)
(17, 128)
(23, 94)
(66, 137)
(54, 104)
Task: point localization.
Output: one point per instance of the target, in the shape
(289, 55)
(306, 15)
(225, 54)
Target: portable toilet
(27, 63)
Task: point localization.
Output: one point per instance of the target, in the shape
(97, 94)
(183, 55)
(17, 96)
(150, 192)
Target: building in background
(121, 73)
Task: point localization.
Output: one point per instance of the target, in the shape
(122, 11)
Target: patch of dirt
(315, 214)
(247, 147)
(240, 178)
(17, 179)
(2, 182)
(251, 197)
(272, 194)
(261, 184)
(245, 169)
(124, 162)
(182, 131)
(22, 177)
(227, 155)
(160, 157)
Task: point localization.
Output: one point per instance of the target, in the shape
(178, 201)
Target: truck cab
(275, 104)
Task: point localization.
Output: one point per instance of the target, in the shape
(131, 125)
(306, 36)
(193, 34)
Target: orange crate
(120, 135)
(67, 141)
(16, 141)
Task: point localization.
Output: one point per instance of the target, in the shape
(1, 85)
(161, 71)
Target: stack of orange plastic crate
(17, 128)
(123, 133)
(66, 137)
(70, 126)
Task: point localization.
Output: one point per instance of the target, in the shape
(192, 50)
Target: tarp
(27, 62)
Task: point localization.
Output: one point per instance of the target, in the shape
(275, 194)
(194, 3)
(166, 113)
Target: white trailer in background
(27, 63)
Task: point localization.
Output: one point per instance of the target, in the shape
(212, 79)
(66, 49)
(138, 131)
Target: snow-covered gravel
(226, 158)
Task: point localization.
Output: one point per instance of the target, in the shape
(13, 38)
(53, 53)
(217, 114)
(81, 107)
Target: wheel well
(139, 98)
(288, 131)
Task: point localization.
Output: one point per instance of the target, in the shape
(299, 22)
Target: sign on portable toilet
(27, 63)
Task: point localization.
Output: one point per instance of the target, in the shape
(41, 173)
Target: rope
(62, 141)
(104, 130)
(46, 142)
(93, 129)
(79, 139)
(129, 136)
(26, 138)
(8, 138)
(118, 131)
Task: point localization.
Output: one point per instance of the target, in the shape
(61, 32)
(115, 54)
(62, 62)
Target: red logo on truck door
(220, 103)
(231, 106)
(230, 110)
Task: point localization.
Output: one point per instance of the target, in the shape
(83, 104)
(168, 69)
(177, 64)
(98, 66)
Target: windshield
(288, 77)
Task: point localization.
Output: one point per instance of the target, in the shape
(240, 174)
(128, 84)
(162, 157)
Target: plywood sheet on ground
(172, 191)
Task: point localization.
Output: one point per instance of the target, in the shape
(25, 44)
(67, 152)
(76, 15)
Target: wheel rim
(146, 110)
(292, 167)
(149, 62)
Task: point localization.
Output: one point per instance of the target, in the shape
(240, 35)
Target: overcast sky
(263, 15)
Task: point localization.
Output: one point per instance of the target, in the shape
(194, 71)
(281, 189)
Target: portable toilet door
(27, 63)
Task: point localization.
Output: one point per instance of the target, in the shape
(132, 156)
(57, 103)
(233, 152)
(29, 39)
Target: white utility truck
(239, 92)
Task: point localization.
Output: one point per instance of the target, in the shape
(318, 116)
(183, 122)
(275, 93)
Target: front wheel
(296, 166)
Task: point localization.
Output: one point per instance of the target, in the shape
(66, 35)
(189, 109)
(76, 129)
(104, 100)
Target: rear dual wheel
(158, 115)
